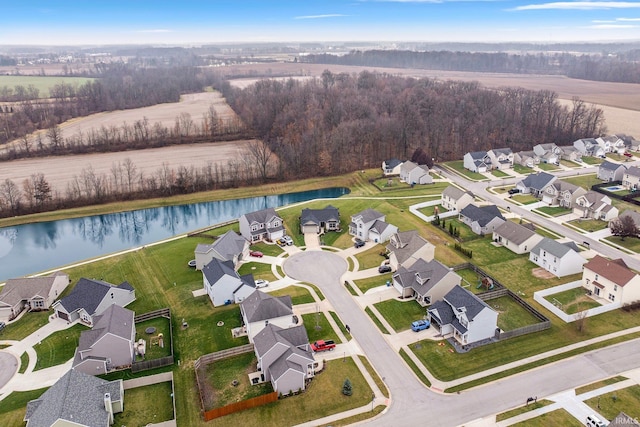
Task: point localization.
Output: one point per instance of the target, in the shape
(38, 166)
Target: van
(593, 421)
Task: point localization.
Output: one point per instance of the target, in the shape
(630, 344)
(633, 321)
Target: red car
(256, 254)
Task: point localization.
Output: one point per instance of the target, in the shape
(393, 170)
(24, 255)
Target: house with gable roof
(559, 259)
(589, 147)
(412, 173)
(264, 224)
(109, 344)
(456, 199)
(285, 358)
(526, 158)
(477, 161)
(631, 178)
(612, 144)
(370, 224)
(501, 158)
(535, 183)
(406, 247)
(562, 193)
(571, 153)
(228, 247)
(612, 280)
(427, 281)
(78, 400)
(548, 153)
(31, 293)
(482, 220)
(391, 167)
(516, 237)
(261, 309)
(609, 171)
(595, 205)
(319, 220)
(90, 298)
(464, 316)
(635, 216)
(224, 285)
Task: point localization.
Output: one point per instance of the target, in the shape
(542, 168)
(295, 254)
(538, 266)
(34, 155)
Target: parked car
(628, 154)
(358, 243)
(256, 254)
(384, 269)
(288, 240)
(261, 283)
(420, 325)
(2, 325)
(514, 191)
(281, 242)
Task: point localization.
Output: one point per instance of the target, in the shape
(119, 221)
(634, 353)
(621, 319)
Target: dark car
(2, 325)
(358, 243)
(384, 269)
(514, 191)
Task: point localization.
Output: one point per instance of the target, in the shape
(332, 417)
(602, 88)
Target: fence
(155, 379)
(567, 318)
(163, 361)
(240, 406)
(222, 354)
(602, 188)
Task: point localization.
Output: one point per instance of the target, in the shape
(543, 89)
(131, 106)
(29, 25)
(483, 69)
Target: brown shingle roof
(615, 270)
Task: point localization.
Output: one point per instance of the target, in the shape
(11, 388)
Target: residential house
(91, 297)
(635, 216)
(228, 247)
(391, 167)
(501, 158)
(427, 281)
(559, 259)
(406, 247)
(264, 224)
(612, 144)
(477, 161)
(535, 183)
(548, 153)
(464, 316)
(285, 358)
(31, 293)
(609, 171)
(631, 178)
(319, 220)
(562, 193)
(109, 344)
(223, 284)
(624, 420)
(412, 173)
(633, 145)
(481, 220)
(456, 199)
(589, 147)
(526, 158)
(595, 205)
(570, 153)
(261, 309)
(370, 225)
(516, 237)
(611, 279)
(78, 400)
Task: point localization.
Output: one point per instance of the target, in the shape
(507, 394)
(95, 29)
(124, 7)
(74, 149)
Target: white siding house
(560, 259)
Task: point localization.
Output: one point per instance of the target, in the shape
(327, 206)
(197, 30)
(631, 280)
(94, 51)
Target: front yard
(552, 210)
(592, 161)
(458, 166)
(58, 347)
(371, 257)
(318, 327)
(524, 199)
(589, 225)
(611, 404)
(373, 282)
(400, 314)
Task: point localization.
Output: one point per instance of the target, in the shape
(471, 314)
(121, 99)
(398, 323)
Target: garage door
(310, 229)
(63, 315)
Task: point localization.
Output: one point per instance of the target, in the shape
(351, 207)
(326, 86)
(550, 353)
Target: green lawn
(409, 361)
(458, 166)
(511, 315)
(500, 174)
(24, 362)
(430, 210)
(319, 328)
(570, 164)
(589, 225)
(523, 409)
(373, 282)
(299, 295)
(465, 232)
(592, 161)
(630, 243)
(400, 314)
(525, 199)
(338, 321)
(559, 417)
(584, 181)
(484, 253)
(25, 326)
(153, 349)
(611, 404)
(553, 210)
(58, 347)
(572, 300)
(376, 321)
(548, 167)
(599, 384)
(14, 407)
(259, 270)
(376, 378)
(41, 83)
(267, 249)
(371, 257)
(522, 169)
(146, 405)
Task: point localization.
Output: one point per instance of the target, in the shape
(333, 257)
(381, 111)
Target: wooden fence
(163, 361)
(222, 354)
(240, 406)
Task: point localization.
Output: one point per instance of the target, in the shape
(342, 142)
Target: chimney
(108, 407)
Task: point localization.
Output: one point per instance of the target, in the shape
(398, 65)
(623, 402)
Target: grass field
(458, 166)
(319, 328)
(559, 417)
(146, 405)
(511, 315)
(58, 347)
(41, 83)
(589, 225)
(371, 257)
(611, 404)
(400, 314)
(573, 300)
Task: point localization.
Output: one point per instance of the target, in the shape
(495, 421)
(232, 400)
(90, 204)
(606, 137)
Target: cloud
(628, 19)
(159, 30)
(611, 26)
(328, 15)
(580, 5)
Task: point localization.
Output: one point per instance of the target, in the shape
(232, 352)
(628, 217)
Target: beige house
(631, 178)
(406, 247)
(516, 237)
(611, 280)
(455, 199)
(595, 205)
(562, 193)
(31, 293)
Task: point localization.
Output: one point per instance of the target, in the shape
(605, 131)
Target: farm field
(42, 83)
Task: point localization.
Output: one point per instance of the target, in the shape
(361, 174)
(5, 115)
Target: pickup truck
(323, 345)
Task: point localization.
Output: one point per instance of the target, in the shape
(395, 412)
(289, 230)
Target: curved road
(413, 404)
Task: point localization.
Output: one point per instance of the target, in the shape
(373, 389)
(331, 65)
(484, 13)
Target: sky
(73, 22)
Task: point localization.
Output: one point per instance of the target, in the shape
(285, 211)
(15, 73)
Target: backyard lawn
(153, 349)
(584, 181)
(430, 210)
(572, 301)
(58, 347)
(146, 405)
(400, 314)
(511, 315)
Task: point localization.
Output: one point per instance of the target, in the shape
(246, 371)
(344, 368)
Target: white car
(288, 240)
(261, 283)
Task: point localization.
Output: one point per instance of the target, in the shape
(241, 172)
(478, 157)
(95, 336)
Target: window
(587, 281)
(612, 297)
(596, 277)
(615, 288)
(427, 299)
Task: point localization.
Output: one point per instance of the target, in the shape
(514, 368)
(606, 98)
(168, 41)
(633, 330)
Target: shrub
(347, 389)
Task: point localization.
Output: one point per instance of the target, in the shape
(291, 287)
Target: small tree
(347, 389)
(450, 229)
(624, 226)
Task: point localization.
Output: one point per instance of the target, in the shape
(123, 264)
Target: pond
(31, 248)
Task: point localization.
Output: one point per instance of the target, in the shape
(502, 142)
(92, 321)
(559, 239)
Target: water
(31, 248)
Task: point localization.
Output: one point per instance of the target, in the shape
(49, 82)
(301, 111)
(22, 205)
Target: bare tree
(624, 226)
(186, 124)
(260, 154)
(130, 171)
(10, 195)
(54, 133)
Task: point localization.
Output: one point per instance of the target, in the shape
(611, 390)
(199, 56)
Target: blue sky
(215, 21)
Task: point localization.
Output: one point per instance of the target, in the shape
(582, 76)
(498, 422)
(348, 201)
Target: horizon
(194, 23)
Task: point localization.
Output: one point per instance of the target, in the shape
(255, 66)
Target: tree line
(622, 67)
(339, 122)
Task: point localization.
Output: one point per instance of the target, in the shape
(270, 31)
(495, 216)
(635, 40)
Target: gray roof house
(224, 285)
(455, 199)
(562, 193)
(477, 161)
(391, 167)
(501, 158)
(370, 224)
(548, 153)
(631, 178)
(535, 183)
(284, 357)
(317, 220)
(91, 297)
(516, 237)
(559, 259)
(481, 220)
(109, 344)
(31, 293)
(427, 281)
(260, 225)
(464, 316)
(406, 247)
(77, 399)
(635, 216)
(589, 147)
(609, 171)
(260, 309)
(526, 158)
(595, 205)
(412, 173)
(571, 153)
(228, 247)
